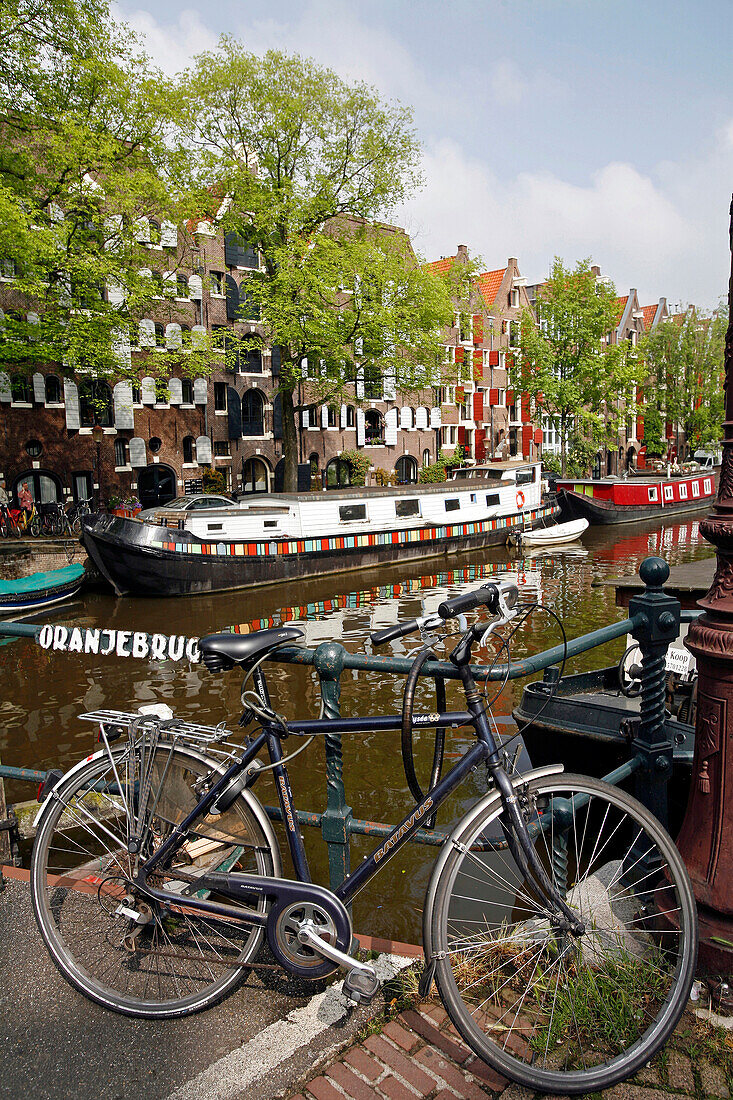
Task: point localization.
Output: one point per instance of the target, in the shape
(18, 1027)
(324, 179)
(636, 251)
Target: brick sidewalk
(419, 1055)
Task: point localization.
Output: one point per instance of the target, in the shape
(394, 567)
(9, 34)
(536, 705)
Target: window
(250, 361)
(406, 470)
(253, 413)
(155, 444)
(464, 326)
(351, 512)
(20, 390)
(181, 286)
(653, 496)
(248, 308)
(696, 488)
(186, 391)
(350, 416)
(254, 476)
(314, 416)
(405, 508)
(426, 457)
(220, 396)
(492, 499)
(373, 386)
(332, 416)
(162, 393)
(221, 448)
(238, 252)
(185, 336)
(374, 428)
(452, 504)
(121, 453)
(34, 448)
(188, 446)
(53, 389)
(159, 335)
(338, 474)
(669, 492)
(153, 231)
(136, 394)
(95, 404)
(524, 477)
(217, 283)
(7, 268)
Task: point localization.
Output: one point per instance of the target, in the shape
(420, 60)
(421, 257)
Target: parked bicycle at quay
(559, 924)
(19, 521)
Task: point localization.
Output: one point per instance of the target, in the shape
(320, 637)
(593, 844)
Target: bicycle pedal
(361, 986)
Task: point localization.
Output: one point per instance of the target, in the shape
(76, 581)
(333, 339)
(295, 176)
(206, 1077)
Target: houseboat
(268, 539)
(622, 500)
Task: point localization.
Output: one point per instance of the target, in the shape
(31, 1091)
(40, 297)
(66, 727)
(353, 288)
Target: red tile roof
(649, 315)
(621, 303)
(489, 283)
(441, 266)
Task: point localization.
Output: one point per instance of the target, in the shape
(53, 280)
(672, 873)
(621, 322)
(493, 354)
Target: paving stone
(363, 1063)
(400, 1035)
(485, 1073)
(450, 1074)
(713, 1080)
(395, 1090)
(679, 1072)
(323, 1089)
(400, 1064)
(429, 1032)
(648, 1075)
(627, 1091)
(518, 1092)
(349, 1082)
(436, 1013)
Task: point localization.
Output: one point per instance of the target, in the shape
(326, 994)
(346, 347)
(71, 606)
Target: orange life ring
(520, 499)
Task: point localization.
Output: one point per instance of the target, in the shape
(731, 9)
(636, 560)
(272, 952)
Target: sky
(572, 128)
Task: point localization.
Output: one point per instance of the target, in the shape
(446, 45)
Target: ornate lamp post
(706, 837)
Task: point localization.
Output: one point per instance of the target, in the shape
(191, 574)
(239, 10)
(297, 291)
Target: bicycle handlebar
(486, 596)
(498, 597)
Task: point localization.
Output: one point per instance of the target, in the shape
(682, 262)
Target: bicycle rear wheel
(181, 960)
(553, 1011)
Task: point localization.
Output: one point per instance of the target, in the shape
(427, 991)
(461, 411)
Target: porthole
(155, 444)
(34, 448)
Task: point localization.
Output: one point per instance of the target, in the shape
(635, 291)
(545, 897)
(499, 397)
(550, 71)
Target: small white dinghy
(554, 536)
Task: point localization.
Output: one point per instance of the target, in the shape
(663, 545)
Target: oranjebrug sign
(120, 643)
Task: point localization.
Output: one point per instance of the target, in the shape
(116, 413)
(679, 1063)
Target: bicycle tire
(552, 1012)
(4, 527)
(34, 526)
(182, 961)
(75, 526)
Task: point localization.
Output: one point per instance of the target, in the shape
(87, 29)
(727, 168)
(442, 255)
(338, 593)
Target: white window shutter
(203, 450)
(198, 337)
(390, 432)
(304, 366)
(304, 419)
(324, 416)
(115, 293)
(56, 214)
(199, 391)
(436, 418)
(146, 328)
(359, 381)
(71, 400)
(39, 389)
(170, 279)
(121, 348)
(113, 232)
(195, 288)
(405, 418)
(138, 456)
(142, 231)
(343, 416)
(6, 393)
(122, 396)
(175, 391)
(421, 419)
(147, 388)
(34, 320)
(169, 235)
(360, 431)
(173, 337)
(390, 387)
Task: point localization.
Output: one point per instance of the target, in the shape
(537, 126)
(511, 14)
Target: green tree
(576, 378)
(683, 361)
(298, 164)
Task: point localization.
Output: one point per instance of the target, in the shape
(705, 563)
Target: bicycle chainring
(283, 926)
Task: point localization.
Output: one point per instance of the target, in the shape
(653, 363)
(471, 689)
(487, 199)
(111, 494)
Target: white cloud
(171, 45)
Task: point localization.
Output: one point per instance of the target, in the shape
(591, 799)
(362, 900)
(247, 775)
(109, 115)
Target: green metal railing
(654, 622)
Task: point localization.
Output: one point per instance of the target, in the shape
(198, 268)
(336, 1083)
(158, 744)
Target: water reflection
(44, 691)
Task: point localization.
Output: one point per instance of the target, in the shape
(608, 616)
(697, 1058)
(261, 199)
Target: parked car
(189, 504)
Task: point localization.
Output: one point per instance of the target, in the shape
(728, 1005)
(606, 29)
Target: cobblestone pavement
(419, 1056)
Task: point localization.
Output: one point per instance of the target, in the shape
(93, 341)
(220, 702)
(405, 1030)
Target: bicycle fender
(67, 775)
(448, 845)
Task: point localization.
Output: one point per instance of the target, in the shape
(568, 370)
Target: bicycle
(16, 521)
(559, 923)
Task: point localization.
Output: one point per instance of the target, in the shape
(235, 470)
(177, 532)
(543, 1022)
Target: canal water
(44, 691)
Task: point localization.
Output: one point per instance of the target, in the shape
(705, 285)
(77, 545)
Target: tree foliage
(298, 164)
(683, 360)
(583, 383)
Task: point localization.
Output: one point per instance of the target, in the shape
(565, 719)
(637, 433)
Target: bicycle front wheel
(554, 1011)
(122, 950)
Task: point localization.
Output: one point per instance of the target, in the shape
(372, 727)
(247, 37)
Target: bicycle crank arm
(308, 935)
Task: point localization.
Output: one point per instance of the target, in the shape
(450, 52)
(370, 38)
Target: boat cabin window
(524, 477)
(492, 499)
(404, 508)
(653, 492)
(352, 511)
(452, 504)
(270, 523)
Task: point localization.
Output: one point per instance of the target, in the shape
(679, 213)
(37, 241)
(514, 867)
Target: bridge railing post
(336, 821)
(660, 625)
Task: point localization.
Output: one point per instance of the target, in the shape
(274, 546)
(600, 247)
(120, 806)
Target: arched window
(137, 398)
(20, 389)
(332, 416)
(253, 419)
(186, 391)
(350, 416)
(95, 404)
(314, 416)
(374, 427)
(338, 474)
(188, 449)
(181, 286)
(185, 336)
(255, 476)
(406, 470)
(153, 231)
(159, 335)
(426, 457)
(53, 389)
(314, 471)
(121, 452)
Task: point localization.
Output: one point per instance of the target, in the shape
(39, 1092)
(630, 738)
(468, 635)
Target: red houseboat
(631, 500)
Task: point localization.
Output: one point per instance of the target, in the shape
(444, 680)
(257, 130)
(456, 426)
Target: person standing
(25, 499)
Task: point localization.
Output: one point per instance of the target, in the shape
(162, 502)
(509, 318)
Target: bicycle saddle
(220, 652)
